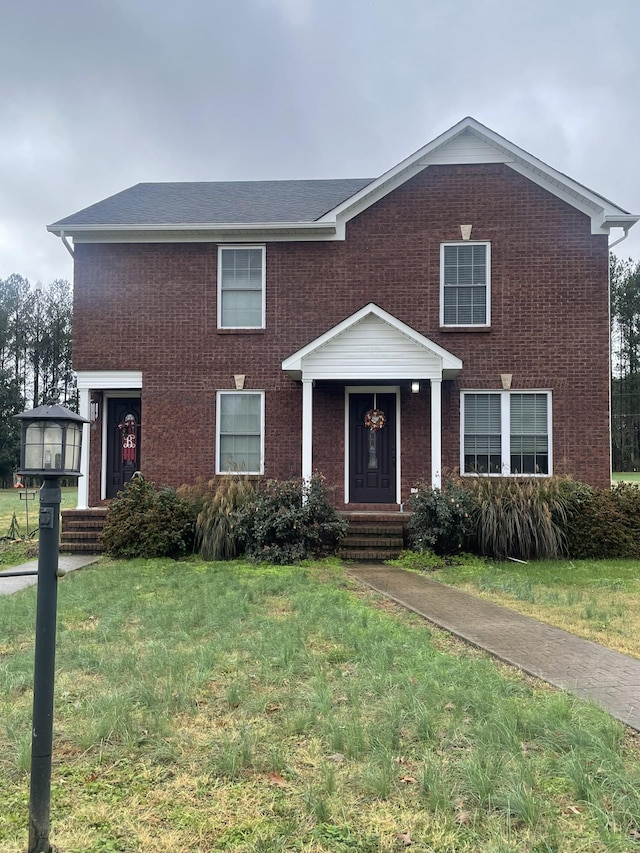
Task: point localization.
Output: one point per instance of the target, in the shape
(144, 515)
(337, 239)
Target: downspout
(69, 249)
(619, 240)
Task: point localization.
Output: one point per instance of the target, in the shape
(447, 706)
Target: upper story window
(506, 432)
(241, 287)
(240, 432)
(465, 273)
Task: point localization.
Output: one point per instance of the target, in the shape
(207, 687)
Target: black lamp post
(50, 448)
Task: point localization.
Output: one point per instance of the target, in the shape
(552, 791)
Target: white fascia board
(199, 233)
(106, 380)
(294, 363)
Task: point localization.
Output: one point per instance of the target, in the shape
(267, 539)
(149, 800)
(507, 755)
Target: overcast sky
(97, 95)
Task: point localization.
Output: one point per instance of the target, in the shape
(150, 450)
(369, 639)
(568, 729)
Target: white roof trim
(108, 380)
(451, 365)
(198, 232)
(601, 211)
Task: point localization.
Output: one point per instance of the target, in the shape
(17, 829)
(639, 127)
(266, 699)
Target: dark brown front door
(372, 453)
(123, 442)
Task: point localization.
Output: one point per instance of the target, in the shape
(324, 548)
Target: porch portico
(373, 352)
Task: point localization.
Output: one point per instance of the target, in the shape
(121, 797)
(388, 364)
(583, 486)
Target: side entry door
(123, 441)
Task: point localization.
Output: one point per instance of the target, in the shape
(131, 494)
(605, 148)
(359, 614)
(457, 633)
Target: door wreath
(375, 419)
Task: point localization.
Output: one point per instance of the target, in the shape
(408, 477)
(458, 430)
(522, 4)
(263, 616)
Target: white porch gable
(372, 345)
(368, 347)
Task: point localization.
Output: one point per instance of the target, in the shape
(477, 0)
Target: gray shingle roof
(226, 202)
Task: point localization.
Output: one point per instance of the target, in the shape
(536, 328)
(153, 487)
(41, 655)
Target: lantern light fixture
(51, 442)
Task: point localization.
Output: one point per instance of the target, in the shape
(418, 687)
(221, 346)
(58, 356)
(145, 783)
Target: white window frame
(487, 319)
(505, 426)
(219, 395)
(240, 247)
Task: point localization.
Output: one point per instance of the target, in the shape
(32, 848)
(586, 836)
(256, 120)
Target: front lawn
(595, 599)
(217, 706)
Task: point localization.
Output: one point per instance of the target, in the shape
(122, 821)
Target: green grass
(218, 706)
(21, 547)
(10, 502)
(626, 476)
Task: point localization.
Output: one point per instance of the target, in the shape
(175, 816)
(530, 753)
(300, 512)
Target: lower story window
(240, 432)
(506, 432)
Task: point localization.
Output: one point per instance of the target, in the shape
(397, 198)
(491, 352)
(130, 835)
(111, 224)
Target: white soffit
(372, 345)
(109, 380)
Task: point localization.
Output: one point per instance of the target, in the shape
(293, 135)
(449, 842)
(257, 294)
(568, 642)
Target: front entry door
(123, 442)
(372, 452)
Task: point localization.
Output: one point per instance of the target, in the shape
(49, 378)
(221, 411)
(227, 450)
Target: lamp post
(50, 448)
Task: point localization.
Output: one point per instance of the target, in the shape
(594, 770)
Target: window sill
(473, 329)
(240, 331)
(508, 476)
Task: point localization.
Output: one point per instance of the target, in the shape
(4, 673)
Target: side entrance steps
(374, 534)
(81, 529)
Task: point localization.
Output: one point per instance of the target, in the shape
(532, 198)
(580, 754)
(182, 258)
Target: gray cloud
(97, 96)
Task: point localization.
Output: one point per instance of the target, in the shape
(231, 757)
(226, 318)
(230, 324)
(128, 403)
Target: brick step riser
(377, 529)
(85, 547)
(83, 525)
(376, 555)
(79, 536)
(371, 542)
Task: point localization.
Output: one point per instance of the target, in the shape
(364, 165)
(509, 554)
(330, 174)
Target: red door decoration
(129, 431)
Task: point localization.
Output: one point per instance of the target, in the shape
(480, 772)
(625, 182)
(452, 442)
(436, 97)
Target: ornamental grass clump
(523, 519)
(217, 533)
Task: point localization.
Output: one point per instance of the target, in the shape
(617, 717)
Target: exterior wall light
(415, 387)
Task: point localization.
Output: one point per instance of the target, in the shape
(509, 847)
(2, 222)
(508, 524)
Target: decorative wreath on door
(375, 419)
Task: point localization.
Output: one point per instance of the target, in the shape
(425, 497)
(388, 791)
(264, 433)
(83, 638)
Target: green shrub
(525, 519)
(607, 524)
(143, 521)
(288, 521)
(217, 535)
(441, 518)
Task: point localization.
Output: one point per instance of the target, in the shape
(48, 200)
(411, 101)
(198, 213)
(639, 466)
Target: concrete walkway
(66, 562)
(608, 678)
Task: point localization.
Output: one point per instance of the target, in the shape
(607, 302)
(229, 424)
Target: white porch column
(84, 395)
(436, 433)
(307, 428)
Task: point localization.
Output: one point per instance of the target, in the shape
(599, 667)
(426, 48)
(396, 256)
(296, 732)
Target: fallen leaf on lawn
(338, 757)
(408, 780)
(572, 810)
(276, 779)
(404, 838)
(273, 706)
(464, 818)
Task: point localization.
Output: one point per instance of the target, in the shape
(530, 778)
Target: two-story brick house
(450, 314)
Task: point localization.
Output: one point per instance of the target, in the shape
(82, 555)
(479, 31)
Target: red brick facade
(152, 308)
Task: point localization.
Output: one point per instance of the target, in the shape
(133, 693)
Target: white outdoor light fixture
(415, 387)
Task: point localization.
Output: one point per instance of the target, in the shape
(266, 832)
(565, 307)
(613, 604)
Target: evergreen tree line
(625, 362)
(35, 357)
